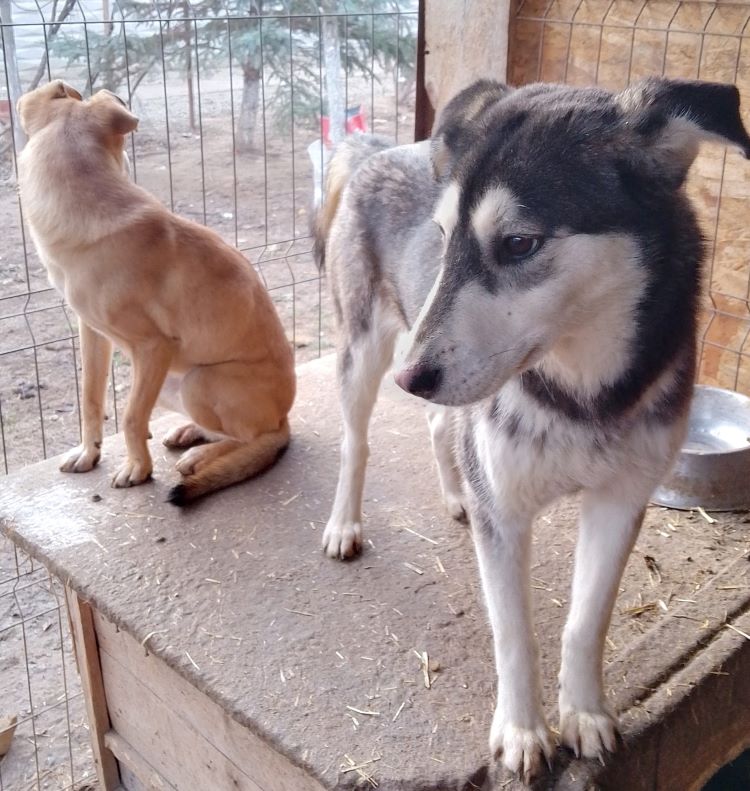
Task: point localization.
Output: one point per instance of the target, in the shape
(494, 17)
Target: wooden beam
(424, 112)
(141, 768)
(463, 42)
(89, 669)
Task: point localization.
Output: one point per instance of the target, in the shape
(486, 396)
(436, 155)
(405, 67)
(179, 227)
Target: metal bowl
(713, 468)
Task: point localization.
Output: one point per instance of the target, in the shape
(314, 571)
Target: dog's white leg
(96, 355)
(519, 730)
(361, 367)
(609, 526)
(441, 422)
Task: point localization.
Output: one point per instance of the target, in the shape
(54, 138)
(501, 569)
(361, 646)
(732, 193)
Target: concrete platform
(318, 662)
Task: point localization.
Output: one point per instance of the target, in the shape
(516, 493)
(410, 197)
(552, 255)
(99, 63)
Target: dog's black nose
(420, 380)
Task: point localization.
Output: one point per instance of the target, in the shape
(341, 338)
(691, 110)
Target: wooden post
(89, 669)
(463, 42)
(424, 112)
(12, 76)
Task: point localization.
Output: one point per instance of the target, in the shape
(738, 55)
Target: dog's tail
(237, 464)
(347, 157)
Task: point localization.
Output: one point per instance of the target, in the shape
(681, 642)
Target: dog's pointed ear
(459, 125)
(115, 113)
(672, 117)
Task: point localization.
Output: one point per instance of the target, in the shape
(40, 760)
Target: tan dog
(175, 297)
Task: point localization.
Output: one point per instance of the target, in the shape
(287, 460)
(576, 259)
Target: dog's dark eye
(442, 230)
(521, 246)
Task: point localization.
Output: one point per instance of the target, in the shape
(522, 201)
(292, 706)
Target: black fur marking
(714, 107)
(559, 150)
(494, 411)
(339, 313)
(178, 495)
(511, 425)
(676, 400)
(345, 361)
(459, 126)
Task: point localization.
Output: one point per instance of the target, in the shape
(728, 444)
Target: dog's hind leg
(362, 363)
(609, 527)
(242, 407)
(226, 461)
(442, 434)
(186, 436)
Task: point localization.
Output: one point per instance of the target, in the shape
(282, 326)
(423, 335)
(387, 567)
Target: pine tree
(286, 48)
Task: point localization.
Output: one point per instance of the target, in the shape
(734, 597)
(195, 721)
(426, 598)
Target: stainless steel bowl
(713, 468)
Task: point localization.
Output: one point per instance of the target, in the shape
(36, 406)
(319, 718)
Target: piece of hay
(709, 519)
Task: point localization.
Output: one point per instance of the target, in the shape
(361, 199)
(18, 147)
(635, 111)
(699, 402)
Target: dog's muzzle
(420, 380)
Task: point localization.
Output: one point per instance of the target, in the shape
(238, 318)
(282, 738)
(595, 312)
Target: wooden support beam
(463, 42)
(89, 669)
(128, 756)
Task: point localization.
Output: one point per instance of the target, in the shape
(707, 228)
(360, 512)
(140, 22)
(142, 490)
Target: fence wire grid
(39, 683)
(233, 98)
(238, 101)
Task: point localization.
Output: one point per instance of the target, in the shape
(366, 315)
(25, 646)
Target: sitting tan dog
(177, 299)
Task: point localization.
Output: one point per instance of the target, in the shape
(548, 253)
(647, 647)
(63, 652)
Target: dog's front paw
(588, 734)
(342, 539)
(522, 749)
(132, 473)
(81, 459)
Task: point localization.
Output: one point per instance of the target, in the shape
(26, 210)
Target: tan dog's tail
(347, 157)
(237, 464)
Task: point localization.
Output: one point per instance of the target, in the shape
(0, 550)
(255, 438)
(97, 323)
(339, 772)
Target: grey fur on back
(384, 242)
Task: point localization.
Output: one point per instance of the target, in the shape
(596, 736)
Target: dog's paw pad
(131, 473)
(524, 751)
(81, 459)
(342, 540)
(588, 734)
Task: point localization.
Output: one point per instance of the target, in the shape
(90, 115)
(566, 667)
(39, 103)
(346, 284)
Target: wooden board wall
(462, 43)
(587, 42)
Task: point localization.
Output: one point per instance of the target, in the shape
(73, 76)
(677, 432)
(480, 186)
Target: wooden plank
(143, 714)
(146, 777)
(462, 46)
(89, 669)
(424, 112)
(174, 726)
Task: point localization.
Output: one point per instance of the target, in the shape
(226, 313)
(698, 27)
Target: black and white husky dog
(544, 257)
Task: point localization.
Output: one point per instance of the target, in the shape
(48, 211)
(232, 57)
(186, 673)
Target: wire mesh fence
(238, 103)
(38, 682)
(232, 105)
(615, 42)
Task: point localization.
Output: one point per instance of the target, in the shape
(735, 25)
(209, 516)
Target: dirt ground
(258, 201)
